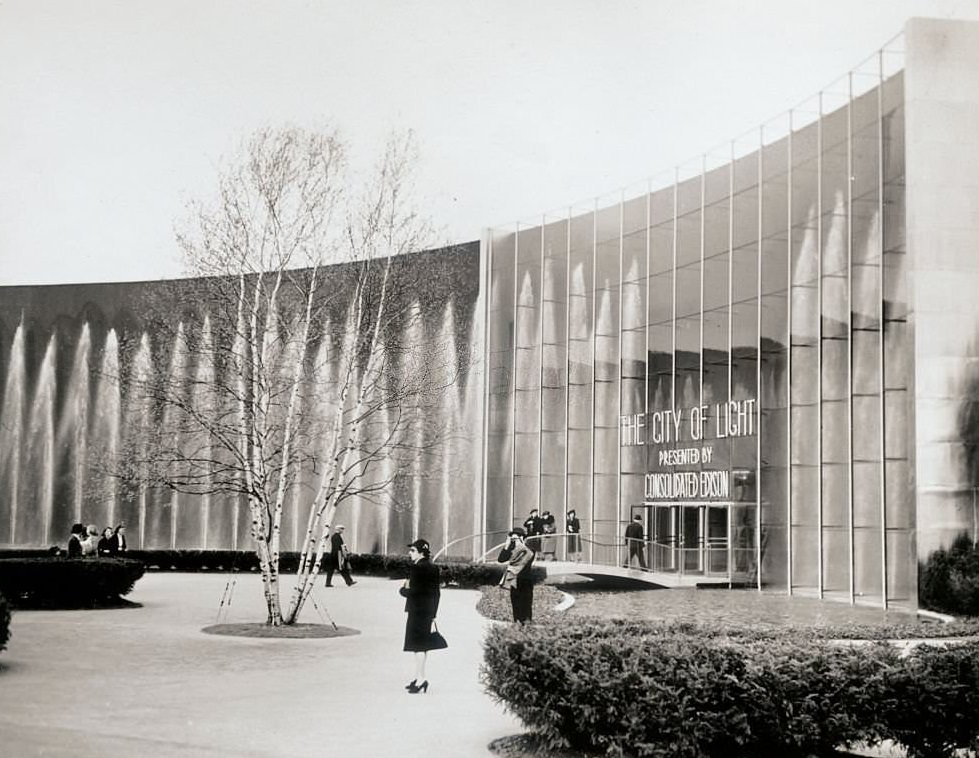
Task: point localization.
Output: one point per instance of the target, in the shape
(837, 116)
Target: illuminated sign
(732, 419)
(670, 431)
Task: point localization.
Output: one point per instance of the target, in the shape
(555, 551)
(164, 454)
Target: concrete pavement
(145, 681)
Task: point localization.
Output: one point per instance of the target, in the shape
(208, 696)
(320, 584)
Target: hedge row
(948, 581)
(629, 689)
(67, 583)
(4, 622)
(454, 572)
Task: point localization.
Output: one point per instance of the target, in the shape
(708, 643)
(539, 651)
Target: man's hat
(519, 531)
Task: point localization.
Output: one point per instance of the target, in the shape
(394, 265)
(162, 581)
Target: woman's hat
(420, 545)
(519, 531)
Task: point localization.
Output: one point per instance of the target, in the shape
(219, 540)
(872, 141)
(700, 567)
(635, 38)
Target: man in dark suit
(518, 577)
(338, 559)
(533, 527)
(75, 541)
(117, 542)
(635, 539)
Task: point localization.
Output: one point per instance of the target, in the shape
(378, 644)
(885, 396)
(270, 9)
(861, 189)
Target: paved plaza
(145, 681)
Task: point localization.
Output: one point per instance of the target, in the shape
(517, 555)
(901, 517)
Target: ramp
(646, 576)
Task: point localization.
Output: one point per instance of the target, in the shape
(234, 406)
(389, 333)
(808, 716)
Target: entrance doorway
(690, 538)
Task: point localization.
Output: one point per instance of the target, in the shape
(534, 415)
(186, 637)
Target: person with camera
(517, 578)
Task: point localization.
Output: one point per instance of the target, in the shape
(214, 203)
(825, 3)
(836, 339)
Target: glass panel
(901, 562)
(499, 373)
(580, 346)
(773, 402)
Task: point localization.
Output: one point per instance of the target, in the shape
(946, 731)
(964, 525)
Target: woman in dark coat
(573, 528)
(421, 589)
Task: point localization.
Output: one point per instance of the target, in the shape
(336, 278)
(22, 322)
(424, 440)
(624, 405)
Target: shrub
(454, 572)
(66, 583)
(932, 706)
(949, 579)
(631, 688)
(4, 622)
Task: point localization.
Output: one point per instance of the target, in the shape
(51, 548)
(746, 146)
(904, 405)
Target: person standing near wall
(573, 528)
(548, 542)
(517, 577)
(90, 544)
(75, 540)
(118, 543)
(635, 538)
(533, 527)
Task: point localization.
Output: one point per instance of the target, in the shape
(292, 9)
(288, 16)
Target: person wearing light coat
(517, 576)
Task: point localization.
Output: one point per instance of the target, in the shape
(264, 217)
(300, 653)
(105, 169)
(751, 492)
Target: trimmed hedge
(665, 690)
(4, 622)
(454, 572)
(948, 581)
(67, 583)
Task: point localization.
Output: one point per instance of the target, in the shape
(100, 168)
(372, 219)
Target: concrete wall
(942, 145)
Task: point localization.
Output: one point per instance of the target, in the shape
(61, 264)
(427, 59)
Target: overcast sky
(115, 114)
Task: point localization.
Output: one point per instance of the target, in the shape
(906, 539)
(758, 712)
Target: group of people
(87, 541)
(421, 589)
(541, 535)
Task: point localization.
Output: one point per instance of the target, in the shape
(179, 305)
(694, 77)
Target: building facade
(770, 355)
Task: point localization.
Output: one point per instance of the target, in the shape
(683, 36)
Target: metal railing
(712, 558)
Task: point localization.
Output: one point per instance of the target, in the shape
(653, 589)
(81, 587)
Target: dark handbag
(435, 639)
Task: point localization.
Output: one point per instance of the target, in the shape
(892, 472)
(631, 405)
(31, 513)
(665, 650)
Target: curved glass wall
(726, 356)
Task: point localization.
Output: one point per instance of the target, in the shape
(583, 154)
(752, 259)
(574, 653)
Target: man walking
(517, 577)
(338, 559)
(635, 539)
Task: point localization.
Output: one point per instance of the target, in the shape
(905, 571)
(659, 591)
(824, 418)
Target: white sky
(115, 113)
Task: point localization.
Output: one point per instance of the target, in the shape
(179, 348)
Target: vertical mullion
(758, 430)
(788, 369)
(487, 278)
(676, 196)
(678, 548)
(819, 345)
(567, 369)
(513, 374)
(618, 447)
(702, 511)
(882, 404)
(594, 346)
(703, 197)
(645, 361)
(849, 332)
(730, 336)
(540, 375)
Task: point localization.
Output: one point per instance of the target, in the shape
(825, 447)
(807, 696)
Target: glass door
(664, 538)
(717, 539)
(691, 538)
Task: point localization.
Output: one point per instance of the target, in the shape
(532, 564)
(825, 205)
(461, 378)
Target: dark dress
(422, 603)
(574, 541)
(117, 543)
(74, 547)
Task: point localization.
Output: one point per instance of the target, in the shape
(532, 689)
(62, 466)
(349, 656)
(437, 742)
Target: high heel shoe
(411, 684)
(414, 689)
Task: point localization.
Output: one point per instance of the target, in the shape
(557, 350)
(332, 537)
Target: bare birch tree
(293, 362)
